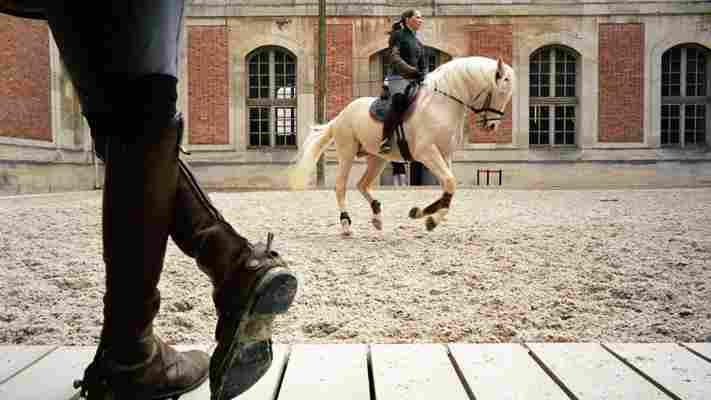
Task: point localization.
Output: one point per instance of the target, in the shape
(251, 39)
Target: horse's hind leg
(344, 168)
(437, 211)
(375, 168)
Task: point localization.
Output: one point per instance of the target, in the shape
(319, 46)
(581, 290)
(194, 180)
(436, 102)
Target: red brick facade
(339, 64)
(493, 41)
(208, 85)
(24, 79)
(621, 72)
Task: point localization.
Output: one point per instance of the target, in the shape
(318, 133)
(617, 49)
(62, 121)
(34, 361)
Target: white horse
(433, 131)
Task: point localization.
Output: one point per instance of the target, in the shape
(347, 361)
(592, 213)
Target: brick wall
(492, 41)
(621, 70)
(208, 85)
(339, 65)
(24, 79)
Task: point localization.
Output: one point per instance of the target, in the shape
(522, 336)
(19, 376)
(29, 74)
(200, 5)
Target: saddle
(380, 107)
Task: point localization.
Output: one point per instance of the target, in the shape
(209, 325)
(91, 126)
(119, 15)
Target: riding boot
(392, 119)
(251, 284)
(141, 173)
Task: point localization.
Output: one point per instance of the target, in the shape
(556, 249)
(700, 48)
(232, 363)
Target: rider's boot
(392, 119)
(141, 176)
(251, 284)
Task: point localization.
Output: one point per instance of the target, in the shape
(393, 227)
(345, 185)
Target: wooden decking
(531, 371)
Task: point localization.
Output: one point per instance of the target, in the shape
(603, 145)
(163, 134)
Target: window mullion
(682, 133)
(683, 72)
(552, 93)
(272, 97)
(682, 106)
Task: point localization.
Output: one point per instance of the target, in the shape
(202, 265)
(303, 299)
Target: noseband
(485, 107)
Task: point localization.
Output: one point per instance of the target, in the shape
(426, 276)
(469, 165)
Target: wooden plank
(51, 377)
(504, 371)
(14, 358)
(411, 372)
(702, 348)
(673, 367)
(325, 372)
(591, 372)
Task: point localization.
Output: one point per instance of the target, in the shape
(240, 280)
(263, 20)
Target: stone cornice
(506, 8)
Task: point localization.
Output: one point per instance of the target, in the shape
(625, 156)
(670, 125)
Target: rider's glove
(420, 77)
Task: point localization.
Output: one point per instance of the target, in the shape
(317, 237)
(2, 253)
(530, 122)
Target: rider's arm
(421, 65)
(398, 64)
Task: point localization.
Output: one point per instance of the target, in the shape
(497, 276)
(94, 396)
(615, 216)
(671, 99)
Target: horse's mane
(460, 76)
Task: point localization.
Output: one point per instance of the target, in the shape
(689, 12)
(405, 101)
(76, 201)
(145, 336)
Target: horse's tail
(314, 145)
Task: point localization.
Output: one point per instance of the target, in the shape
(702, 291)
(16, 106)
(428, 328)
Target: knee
(362, 187)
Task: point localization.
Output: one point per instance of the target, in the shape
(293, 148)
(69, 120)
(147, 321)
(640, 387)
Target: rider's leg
(392, 118)
(123, 63)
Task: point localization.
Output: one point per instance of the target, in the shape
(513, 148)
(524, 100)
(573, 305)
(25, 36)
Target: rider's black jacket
(34, 9)
(406, 53)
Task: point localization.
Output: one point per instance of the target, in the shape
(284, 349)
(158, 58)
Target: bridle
(485, 107)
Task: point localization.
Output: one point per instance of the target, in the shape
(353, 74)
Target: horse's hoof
(414, 212)
(377, 223)
(345, 228)
(430, 224)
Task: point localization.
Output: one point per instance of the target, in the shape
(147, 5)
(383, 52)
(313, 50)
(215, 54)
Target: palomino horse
(433, 132)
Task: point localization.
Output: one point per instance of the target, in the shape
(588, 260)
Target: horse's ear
(499, 68)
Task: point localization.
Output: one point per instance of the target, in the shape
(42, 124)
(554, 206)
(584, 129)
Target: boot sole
(175, 395)
(249, 355)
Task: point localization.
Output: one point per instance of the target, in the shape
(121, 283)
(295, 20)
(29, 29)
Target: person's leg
(392, 118)
(140, 146)
(251, 282)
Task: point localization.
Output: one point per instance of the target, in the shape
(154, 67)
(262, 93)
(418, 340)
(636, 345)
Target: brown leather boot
(251, 283)
(138, 213)
(157, 371)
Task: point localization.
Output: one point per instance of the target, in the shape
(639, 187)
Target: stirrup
(385, 147)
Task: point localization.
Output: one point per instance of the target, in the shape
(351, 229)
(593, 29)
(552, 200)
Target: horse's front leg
(374, 169)
(437, 211)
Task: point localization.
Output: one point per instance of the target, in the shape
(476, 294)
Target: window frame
(683, 101)
(552, 101)
(273, 103)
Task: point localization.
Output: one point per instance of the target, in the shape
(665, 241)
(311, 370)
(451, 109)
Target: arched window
(553, 96)
(271, 98)
(685, 96)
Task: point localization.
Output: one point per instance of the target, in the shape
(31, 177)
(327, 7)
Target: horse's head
(495, 102)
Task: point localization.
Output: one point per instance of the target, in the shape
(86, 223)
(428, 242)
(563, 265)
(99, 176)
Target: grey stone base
(31, 177)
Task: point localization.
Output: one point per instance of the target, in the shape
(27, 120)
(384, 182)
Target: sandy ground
(611, 265)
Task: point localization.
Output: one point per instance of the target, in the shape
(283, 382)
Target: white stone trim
(666, 34)
(205, 21)
(15, 141)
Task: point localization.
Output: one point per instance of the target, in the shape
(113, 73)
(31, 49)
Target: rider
(407, 61)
